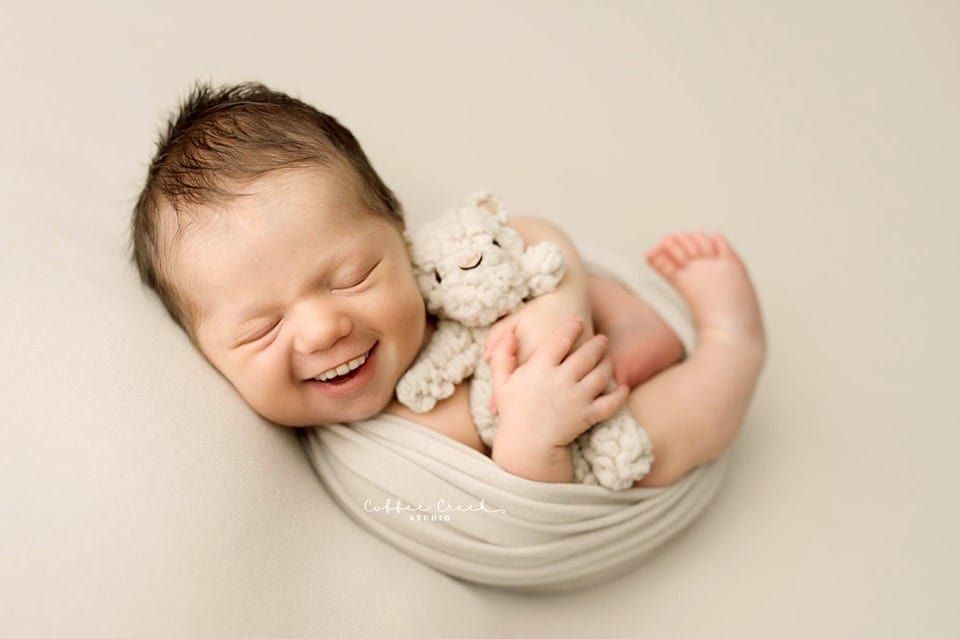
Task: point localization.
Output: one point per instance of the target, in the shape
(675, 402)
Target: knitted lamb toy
(473, 269)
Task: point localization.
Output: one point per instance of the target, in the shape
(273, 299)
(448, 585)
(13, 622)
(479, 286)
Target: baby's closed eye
(259, 335)
(358, 279)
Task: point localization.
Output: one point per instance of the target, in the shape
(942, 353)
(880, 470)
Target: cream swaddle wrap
(455, 510)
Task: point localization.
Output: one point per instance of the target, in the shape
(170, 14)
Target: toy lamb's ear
(490, 202)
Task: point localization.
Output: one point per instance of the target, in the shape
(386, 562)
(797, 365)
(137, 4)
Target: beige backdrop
(140, 497)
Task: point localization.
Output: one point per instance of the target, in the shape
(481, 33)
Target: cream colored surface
(140, 497)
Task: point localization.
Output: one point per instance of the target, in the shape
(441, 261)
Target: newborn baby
(276, 247)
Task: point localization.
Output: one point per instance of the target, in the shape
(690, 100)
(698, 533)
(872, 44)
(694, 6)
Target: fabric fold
(452, 508)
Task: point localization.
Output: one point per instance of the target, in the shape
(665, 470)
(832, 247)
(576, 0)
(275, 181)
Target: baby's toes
(676, 250)
(726, 251)
(722, 246)
(690, 247)
(661, 261)
(704, 245)
(654, 253)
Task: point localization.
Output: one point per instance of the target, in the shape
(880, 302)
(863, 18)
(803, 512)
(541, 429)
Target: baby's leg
(693, 410)
(641, 343)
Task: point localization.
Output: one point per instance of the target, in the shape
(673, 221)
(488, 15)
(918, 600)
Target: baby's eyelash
(360, 281)
(267, 332)
(365, 276)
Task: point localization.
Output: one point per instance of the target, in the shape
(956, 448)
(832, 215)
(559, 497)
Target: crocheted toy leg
(618, 450)
(582, 473)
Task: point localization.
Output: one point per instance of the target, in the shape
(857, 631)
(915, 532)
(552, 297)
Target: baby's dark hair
(227, 136)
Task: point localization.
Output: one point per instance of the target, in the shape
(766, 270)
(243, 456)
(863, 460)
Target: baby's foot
(714, 283)
(640, 343)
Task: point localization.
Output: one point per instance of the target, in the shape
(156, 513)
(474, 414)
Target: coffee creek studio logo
(442, 510)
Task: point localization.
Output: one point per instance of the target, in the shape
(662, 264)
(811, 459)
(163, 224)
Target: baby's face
(297, 280)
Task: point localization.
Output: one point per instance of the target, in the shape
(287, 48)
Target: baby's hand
(536, 320)
(556, 395)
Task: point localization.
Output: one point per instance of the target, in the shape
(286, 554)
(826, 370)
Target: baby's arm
(542, 315)
(531, 326)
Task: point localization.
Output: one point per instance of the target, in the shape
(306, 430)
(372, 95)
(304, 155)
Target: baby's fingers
(497, 331)
(503, 361)
(558, 345)
(586, 357)
(598, 380)
(606, 406)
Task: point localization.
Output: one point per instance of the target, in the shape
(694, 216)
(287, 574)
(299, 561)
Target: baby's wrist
(530, 460)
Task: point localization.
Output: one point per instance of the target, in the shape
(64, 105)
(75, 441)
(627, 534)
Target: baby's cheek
(270, 390)
(411, 318)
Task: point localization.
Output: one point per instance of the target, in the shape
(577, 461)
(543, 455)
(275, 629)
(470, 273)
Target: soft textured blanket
(454, 509)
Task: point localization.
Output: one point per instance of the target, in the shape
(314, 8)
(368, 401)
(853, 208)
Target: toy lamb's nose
(470, 260)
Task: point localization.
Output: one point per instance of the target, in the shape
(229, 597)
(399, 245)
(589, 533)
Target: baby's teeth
(343, 369)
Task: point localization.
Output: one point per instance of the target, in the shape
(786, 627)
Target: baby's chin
(365, 411)
(360, 408)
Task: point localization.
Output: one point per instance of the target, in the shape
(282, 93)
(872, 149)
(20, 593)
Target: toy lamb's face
(468, 264)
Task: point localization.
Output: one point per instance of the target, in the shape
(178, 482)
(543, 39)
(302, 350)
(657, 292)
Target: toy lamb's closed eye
(473, 269)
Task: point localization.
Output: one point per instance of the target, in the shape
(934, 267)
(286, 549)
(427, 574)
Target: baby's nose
(470, 259)
(319, 326)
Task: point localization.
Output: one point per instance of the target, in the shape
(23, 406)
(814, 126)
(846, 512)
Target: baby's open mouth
(339, 376)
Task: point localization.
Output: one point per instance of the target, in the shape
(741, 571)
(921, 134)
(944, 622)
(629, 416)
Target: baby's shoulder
(450, 417)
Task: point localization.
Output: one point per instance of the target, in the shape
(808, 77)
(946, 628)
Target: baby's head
(275, 246)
